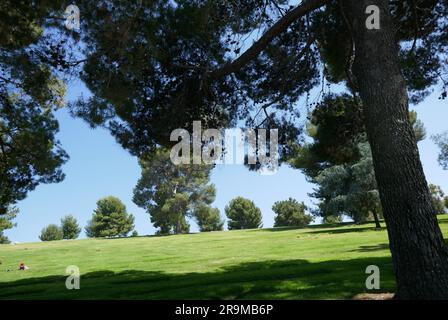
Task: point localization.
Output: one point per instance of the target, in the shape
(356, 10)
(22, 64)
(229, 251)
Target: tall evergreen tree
(172, 193)
(350, 189)
(70, 227)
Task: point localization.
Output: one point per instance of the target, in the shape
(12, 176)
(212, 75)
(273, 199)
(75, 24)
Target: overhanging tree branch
(304, 8)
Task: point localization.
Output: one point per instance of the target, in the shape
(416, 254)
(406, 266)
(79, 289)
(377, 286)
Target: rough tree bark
(419, 254)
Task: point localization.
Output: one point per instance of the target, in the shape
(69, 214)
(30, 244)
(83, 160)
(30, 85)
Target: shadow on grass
(347, 230)
(378, 247)
(441, 220)
(309, 227)
(288, 279)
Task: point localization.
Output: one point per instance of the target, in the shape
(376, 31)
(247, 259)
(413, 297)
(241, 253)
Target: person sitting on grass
(23, 266)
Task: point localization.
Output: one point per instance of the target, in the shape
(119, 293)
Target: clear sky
(99, 167)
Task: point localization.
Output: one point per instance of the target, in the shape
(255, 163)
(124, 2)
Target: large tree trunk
(419, 254)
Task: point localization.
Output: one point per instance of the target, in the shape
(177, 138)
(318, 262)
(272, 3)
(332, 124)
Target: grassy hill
(320, 262)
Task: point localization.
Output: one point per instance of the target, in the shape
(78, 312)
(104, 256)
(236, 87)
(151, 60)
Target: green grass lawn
(321, 262)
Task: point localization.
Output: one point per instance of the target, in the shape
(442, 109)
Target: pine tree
(290, 213)
(442, 142)
(243, 214)
(172, 193)
(6, 223)
(70, 227)
(110, 219)
(208, 219)
(51, 232)
(438, 198)
(30, 91)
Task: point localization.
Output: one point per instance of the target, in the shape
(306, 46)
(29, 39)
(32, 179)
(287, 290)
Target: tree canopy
(30, 91)
(152, 73)
(337, 130)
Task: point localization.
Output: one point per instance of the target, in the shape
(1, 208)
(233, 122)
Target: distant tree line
(110, 219)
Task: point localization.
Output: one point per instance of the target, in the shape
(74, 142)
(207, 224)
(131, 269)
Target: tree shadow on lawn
(442, 221)
(333, 228)
(347, 230)
(288, 279)
(309, 227)
(377, 247)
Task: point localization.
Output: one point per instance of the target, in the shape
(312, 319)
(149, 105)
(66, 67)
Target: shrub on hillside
(243, 214)
(110, 219)
(50, 233)
(290, 213)
(208, 219)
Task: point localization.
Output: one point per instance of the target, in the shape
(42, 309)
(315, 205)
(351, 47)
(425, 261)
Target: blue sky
(99, 167)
